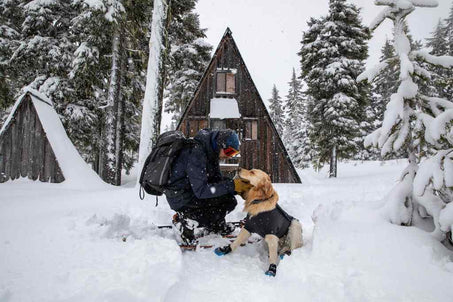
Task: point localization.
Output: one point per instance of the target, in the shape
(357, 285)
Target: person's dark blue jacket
(195, 174)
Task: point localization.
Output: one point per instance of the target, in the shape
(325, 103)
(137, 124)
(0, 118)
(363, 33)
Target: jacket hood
(208, 139)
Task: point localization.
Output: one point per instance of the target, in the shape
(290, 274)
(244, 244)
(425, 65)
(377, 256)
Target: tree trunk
(333, 162)
(120, 125)
(152, 103)
(111, 111)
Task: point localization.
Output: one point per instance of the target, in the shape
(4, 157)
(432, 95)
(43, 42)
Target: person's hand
(241, 185)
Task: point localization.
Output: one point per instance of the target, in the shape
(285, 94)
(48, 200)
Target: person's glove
(241, 185)
(220, 251)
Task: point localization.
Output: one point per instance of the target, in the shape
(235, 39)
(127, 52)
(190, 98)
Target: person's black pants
(209, 212)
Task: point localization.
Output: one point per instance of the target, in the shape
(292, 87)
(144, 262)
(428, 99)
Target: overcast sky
(268, 32)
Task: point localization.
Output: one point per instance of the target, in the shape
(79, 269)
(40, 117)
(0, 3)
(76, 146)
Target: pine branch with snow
(416, 122)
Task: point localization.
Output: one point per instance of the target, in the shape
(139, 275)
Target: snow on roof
(75, 170)
(223, 108)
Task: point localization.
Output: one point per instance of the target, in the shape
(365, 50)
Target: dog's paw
(220, 251)
(272, 270)
(287, 253)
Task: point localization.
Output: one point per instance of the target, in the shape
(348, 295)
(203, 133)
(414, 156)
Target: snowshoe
(184, 229)
(223, 228)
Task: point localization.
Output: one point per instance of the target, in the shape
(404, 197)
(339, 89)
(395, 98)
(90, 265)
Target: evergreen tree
(414, 121)
(440, 78)
(385, 83)
(449, 31)
(333, 54)
(190, 55)
(66, 50)
(276, 110)
(294, 129)
(11, 18)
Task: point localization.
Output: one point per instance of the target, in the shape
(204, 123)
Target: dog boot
(220, 251)
(287, 253)
(272, 271)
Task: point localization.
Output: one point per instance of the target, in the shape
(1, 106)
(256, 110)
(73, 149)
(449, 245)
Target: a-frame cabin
(34, 144)
(226, 97)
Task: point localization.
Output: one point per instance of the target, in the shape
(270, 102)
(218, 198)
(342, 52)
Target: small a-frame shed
(226, 97)
(34, 144)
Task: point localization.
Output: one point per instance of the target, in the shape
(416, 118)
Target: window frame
(251, 129)
(226, 86)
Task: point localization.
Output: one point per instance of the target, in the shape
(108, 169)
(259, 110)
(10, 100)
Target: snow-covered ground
(59, 243)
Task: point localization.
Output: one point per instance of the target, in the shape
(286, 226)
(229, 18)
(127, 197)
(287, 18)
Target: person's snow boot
(184, 228)
(223, 228)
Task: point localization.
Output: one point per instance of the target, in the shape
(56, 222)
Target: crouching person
(197, 190)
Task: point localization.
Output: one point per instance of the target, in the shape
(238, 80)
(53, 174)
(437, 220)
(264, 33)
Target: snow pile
(64, 244)
(344, 233)
(59, 247)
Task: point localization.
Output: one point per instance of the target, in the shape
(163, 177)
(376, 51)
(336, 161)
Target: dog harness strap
(256, 201)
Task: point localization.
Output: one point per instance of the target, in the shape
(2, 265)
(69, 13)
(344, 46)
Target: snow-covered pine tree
(46, 50)
(311, 66)
(440, 77)
(96, 28)
(276, 110)
(410, 120)
(385, 83)
(134, 78)
(43, 55)
(189, 56)
(383, 86)
(11, 18)
(333, 53)
(449, 30)
(69, 46)
(295, 127)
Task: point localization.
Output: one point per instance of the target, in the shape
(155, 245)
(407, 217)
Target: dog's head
(261, 187)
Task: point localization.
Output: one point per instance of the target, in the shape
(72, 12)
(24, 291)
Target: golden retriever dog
(281, 232)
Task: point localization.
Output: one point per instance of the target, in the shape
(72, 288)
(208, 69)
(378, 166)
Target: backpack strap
(141, 192)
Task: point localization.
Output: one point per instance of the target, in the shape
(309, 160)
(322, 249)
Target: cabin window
(251, 131)
(226, 82)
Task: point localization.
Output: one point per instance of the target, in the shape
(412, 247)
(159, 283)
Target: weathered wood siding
(25, 150)
(267, 151)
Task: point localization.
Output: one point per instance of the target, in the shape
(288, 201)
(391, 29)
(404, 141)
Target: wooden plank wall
(25, 150)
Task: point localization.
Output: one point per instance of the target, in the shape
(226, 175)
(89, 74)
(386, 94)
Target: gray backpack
(156, 170)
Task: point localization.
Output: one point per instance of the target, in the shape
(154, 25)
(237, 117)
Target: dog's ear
(267, 188)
